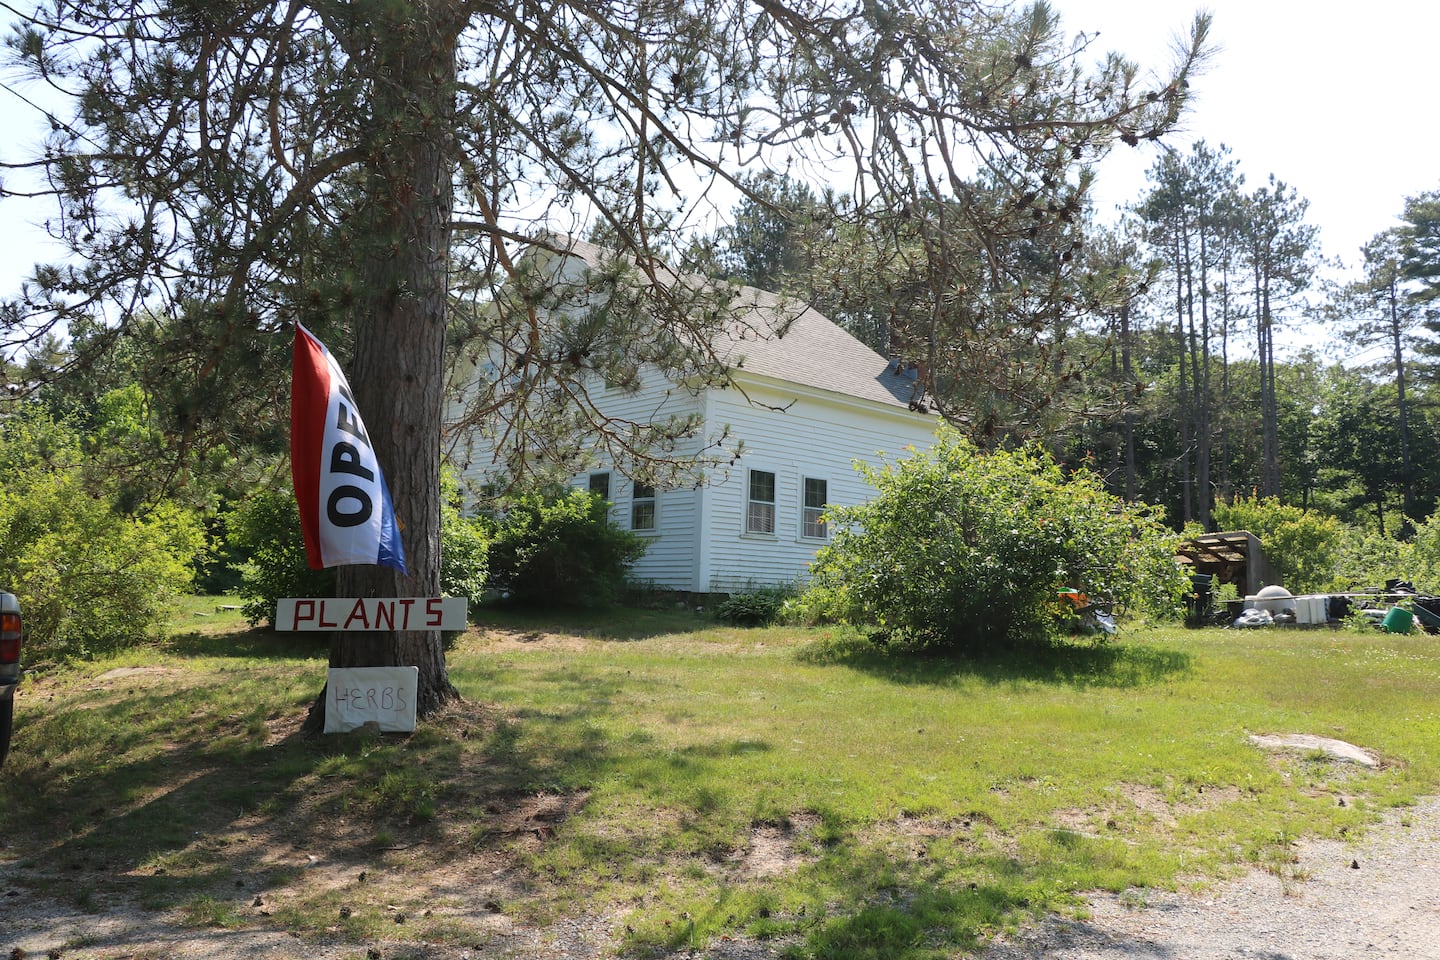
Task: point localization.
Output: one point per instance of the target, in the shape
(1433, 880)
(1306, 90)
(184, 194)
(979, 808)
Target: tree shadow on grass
(118, 808)
(1117, 664)
(896, 901)
(230, 818)
(253, 643)
(610, 623)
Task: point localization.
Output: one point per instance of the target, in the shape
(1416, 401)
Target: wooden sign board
(372, 613)
(385, 696)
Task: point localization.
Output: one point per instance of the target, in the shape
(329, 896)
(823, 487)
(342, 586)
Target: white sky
(1331, 98)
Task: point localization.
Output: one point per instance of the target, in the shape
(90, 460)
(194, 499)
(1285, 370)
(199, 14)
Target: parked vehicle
(9, 667)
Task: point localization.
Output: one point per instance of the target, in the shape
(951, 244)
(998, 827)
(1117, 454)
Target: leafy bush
(964, 551)
(89, 579)
(1365, 559)
(1302, 545)
(464, 555)
(266, 529)
(754, 608)
(560, 549)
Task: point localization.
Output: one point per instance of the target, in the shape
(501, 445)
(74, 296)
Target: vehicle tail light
(9, 637)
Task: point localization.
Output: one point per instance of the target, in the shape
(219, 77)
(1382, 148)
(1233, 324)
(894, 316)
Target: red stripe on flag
(309, 401)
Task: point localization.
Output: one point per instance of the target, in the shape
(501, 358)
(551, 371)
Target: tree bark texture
(402, 262)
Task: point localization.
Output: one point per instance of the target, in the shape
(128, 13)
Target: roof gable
(806, 347)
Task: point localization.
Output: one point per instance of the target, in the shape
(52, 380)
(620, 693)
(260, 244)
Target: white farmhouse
(805, 405)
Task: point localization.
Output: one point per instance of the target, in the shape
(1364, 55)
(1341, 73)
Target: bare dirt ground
(1376, 899)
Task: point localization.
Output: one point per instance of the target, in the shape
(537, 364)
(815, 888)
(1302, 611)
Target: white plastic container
(1310, 609)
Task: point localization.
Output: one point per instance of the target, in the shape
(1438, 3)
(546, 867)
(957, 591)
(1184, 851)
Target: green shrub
(560, 549)
(266, 530)
(756, 607)
(464, 555)
(1417, 561)
(89, 579)
(1364, 559)
(91, 576)
(964, 551)
(1302, 545)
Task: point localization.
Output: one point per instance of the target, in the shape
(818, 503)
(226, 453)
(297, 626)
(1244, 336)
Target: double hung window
(812, 511)
(642, 507)
(760, 503)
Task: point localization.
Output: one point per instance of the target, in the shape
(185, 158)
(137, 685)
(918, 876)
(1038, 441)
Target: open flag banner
(345, 510)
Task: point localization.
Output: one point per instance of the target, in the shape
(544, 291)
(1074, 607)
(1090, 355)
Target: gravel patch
(1379, 898)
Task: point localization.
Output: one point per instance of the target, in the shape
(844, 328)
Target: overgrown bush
(1416, 561)
(265, 529)
(1302, 545)
(560, 549)
(1365, 559)
(89, 579)
(756, 607)
(464, 555)
(965, 551)
(90, 576)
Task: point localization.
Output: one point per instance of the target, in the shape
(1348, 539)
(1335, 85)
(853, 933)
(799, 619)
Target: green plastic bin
(1398, 620)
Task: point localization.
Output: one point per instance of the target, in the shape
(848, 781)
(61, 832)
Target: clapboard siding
(811, 438)
(810, 402)
(669, 559)
(474, 458)
(699, 542)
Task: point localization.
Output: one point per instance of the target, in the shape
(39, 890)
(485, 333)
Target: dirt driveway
(1378, 899)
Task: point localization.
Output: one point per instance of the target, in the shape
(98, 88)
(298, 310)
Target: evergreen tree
(1357, 440)
(1279, 251)
(227, 168)
(766, 243)
(1419, 243)
(1385, 308)
(1189, 211)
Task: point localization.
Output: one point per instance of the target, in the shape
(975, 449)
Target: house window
(642, 507)
(488, 503)
(760, 506)
(600, 485)
(812, 524)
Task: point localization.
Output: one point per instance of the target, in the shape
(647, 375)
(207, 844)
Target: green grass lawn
(691, 781)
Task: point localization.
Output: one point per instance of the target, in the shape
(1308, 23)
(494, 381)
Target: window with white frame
(642, 507)
(600, 484)
(812, 511)
(760, 503)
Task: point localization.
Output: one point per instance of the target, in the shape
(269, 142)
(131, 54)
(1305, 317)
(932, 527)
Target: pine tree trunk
(1270, 409)
(1182, 266)
(1203, 398)
(398, 369)
(1407, 479)
(1127, 377)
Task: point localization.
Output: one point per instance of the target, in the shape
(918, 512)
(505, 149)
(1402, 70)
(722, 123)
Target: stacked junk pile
(1237, 558)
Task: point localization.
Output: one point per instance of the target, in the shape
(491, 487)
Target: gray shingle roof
(810, 350)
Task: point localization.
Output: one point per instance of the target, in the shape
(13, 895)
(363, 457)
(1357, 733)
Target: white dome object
(1275, 599)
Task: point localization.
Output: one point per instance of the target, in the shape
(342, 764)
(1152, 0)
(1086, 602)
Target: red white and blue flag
(345, 509)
